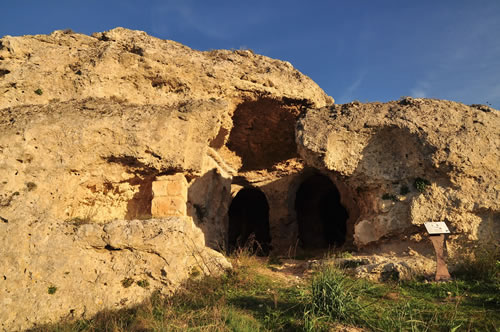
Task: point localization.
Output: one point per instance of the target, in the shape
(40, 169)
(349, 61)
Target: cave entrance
(320, 215)
(249, 222)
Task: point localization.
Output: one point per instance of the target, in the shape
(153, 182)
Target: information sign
(434, 228)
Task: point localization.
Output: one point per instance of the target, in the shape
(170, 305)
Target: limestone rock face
(116, 164)
(411, 161)
(129, 163)
(66, 270)
(134, 67)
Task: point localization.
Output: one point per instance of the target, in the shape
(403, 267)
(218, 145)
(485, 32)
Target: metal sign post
(436, 231)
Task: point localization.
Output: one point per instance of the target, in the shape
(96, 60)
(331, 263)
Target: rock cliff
(411, 161)
(129, 163)
(111, 172)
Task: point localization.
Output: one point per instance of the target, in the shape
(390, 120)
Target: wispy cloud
(421, 89)
(182, 15)
(418, 93)
(350, 92)
(466, 65)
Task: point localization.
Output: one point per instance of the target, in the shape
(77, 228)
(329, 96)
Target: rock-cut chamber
(321, 216)
(249, 221)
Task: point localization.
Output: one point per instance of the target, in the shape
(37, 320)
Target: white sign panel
(436, 228)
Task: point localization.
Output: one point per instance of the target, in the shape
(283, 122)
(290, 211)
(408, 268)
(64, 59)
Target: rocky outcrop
(65, 270)
(116, 166)
(121, 156)
(134, 67)
(408, 162)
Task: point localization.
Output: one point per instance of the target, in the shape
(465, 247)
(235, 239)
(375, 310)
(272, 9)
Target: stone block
(170, 185)
(168, 206)
(160, 188)
(177, 188)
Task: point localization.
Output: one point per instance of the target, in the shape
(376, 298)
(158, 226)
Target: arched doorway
(249, 221)
(320, 215)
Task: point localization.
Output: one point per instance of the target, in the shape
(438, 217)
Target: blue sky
(363, 50)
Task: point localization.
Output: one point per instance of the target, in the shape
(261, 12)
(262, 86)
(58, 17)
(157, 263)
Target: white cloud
(421, 90)
(418, 93)
(349, 92)
(184, 16)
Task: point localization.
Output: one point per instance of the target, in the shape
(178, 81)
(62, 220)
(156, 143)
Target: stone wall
(170, 193)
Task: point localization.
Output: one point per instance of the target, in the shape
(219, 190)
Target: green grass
(251, 298)
(334, 295)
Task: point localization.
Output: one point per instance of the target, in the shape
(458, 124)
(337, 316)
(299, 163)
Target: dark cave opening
(321, 216)
(249, 222)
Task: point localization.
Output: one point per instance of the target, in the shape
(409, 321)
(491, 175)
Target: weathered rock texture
(121, 155)
(100, 134)
(381, 152)
(136, 68)
(55, 270)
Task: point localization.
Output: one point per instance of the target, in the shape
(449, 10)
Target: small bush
(143, 283)
(127, 282)
(421, 184)
(39, 91)
(52, 290)
(483, 264)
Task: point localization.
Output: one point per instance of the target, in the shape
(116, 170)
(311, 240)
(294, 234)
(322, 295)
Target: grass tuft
(127, 282)
(421, 184)
(483, 264)
(333, 294)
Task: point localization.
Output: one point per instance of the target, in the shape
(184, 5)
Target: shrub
(143, 283)
(39, 91)
(52, 290)
(421, 184)
(127, 282)
(483, 264)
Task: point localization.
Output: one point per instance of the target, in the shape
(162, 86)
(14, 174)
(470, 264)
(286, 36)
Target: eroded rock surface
(121, 156)
(91, 128)
(69, 269)
(134, 67)
(411, 161)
